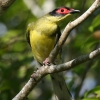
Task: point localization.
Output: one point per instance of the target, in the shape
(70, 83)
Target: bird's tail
(60, 87)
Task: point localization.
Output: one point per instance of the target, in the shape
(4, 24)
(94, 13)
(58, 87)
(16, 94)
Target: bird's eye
(62, 10)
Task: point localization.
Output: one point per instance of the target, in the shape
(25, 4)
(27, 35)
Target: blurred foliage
(96, 92)
(17, 62)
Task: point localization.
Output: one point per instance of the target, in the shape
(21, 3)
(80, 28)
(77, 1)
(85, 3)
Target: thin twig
(87, 68)
(69, 27)
(42, 71)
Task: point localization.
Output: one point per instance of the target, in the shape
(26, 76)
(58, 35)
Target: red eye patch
(62, 11)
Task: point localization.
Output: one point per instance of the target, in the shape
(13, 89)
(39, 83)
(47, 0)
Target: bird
(42, 35)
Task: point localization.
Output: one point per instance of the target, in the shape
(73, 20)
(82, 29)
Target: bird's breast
(41, 45)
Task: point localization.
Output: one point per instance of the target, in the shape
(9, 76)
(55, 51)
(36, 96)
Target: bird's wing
(30, 27)
(58, 34)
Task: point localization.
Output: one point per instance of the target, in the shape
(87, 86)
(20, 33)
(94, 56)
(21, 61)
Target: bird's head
(61, 13)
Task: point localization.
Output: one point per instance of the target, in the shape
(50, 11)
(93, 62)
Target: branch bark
(4, 5)
(87, 68)
(69, 27)
(41, 72)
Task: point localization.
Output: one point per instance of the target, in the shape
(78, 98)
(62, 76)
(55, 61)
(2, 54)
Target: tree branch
(42, 71)
(69, 27)
(87, 68)
(4, 5)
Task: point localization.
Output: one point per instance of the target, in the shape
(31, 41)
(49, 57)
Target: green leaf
(90, 99)
(95, 90)
(95, 23)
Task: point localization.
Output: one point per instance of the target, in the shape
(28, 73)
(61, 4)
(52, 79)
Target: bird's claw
(46, 62)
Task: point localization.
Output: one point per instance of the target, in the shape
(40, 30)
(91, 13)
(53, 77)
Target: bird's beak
(74, 11)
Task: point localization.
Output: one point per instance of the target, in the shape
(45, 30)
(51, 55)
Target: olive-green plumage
(42, 36)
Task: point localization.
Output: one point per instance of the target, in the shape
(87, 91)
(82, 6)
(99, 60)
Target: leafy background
(17, 62)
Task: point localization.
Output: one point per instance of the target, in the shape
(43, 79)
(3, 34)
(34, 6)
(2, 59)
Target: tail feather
(60, 87)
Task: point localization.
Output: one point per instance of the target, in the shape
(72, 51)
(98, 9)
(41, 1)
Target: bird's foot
(46, 62)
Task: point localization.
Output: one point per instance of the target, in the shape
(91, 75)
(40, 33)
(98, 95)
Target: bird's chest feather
(41, 45)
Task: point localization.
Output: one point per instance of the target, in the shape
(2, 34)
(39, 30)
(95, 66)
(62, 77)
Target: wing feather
(29, 28)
